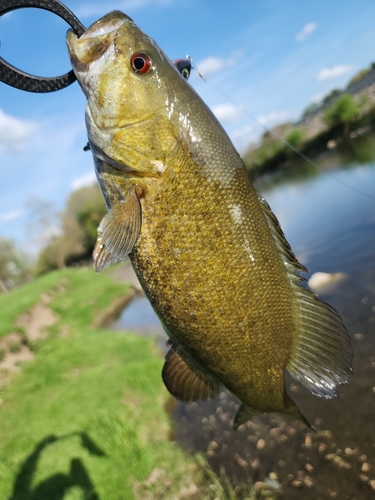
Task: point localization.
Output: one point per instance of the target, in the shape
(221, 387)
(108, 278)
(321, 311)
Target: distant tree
(271, 146)
(14, 266)
(311, 108)
(74, 231)
(343, 112)
(45, 229)
(295, 137)
(87, 207)
(332, 96)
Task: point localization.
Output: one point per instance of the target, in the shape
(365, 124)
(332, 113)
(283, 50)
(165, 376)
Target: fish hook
(24, 81)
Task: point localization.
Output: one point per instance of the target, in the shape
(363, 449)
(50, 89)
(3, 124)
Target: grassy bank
(85, 418)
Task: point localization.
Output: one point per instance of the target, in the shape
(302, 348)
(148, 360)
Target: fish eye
(141, 63)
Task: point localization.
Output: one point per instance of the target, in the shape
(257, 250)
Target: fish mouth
(108, 23)
(95, 41)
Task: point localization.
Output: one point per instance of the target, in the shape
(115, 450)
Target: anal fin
(244, 413)
(186, 381)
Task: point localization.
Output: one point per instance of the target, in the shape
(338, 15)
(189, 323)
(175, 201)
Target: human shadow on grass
(56, 486)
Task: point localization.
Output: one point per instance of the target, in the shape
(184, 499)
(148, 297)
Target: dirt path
(14, 347)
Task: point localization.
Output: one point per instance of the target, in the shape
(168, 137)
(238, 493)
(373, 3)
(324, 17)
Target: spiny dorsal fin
(322, 355)
(185, 381)
(121, 226)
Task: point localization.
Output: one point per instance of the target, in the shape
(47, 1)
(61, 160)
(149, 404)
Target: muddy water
(328, 216)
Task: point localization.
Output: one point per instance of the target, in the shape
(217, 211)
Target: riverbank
(342, 116)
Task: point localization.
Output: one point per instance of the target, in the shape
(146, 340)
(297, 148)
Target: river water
(327, 213)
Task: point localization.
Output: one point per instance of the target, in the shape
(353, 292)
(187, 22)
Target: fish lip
(99, 29)
(105, 25)
(77, 64)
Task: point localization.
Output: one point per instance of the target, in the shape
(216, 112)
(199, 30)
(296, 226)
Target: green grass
(21, 299)
(85, 419)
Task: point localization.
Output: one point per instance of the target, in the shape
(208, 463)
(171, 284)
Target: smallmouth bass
(207, 249)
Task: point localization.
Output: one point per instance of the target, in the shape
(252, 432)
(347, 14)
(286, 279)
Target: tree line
(65, 238)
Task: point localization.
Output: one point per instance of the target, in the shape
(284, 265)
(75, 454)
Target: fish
(208, 251)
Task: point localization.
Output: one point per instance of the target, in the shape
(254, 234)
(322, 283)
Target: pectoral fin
(118, 232)
(187, 382)
(101, 258)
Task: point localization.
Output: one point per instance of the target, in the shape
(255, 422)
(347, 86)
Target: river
(327, 213)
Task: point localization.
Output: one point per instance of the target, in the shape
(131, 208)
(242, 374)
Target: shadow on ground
(56, 486)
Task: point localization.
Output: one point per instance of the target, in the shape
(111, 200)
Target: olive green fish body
(201, 263)
(208, 251)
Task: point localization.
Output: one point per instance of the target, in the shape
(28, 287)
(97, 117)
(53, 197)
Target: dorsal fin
(286, 253)
(321, 355)
(185, 381)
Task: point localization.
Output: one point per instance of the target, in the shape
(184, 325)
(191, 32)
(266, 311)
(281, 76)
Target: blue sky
(266, 57)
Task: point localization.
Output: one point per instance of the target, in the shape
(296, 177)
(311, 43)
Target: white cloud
(212, 64)
(227, 113)
(329, 73)
(306, 31)
(15, 132)
(243, 137)
(83, 181)
(99, 8)
(13, 215)
(273, 118)
(317, 98)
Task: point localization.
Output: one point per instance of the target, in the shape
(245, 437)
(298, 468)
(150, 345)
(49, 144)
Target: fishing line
(286, 143)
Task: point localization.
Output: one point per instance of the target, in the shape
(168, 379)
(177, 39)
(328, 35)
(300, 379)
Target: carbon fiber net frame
(24, 81)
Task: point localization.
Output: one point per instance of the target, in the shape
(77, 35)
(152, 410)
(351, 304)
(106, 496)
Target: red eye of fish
(141, 63)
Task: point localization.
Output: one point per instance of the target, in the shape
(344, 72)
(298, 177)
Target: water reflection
(139, 317)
